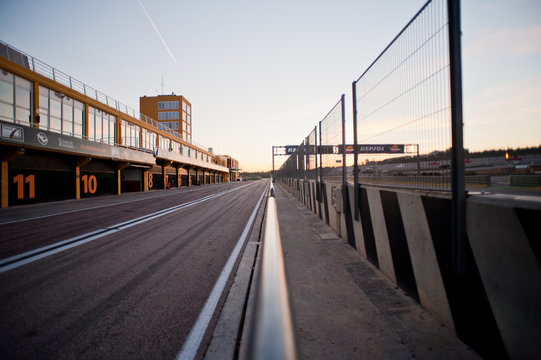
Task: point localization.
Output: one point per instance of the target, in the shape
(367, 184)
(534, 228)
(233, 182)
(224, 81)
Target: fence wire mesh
(289, 168)
(331, 142)
(403, 107)
(310, 155)
(301, 161)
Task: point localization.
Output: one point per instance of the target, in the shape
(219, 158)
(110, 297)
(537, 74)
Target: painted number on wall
(150, 184)
(20, 180)
(90, 184)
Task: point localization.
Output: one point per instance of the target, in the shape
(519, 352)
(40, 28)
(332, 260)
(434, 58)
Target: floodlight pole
(355, 152)
(344, 169)
(458, 218)
(273, 163)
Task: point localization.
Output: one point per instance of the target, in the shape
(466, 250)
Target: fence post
(320, 188)
(344, 169)
(346, 208)
(298, 173)
(355, 152)
(318, 192)
(457, 151)
(272, 162)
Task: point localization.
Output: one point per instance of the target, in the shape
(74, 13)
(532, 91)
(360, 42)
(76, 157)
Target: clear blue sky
(263, 73)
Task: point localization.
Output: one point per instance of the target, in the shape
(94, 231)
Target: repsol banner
(290, 149)
(380, 149)
(374, 149)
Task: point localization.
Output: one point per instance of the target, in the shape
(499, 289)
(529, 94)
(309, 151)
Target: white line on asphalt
(191, 345)
(99, 206)
(37, 254)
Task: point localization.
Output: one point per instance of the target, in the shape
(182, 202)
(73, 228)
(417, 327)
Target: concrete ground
(343, 308)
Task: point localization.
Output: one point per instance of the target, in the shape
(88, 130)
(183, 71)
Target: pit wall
(495, 305)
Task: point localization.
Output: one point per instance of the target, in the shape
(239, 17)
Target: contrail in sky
(157, 32)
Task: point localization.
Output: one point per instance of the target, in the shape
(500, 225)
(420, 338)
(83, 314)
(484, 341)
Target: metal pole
(346, 207)
(273, 163)
(320, 167)
(418, 162)
(298, 172)
(458, 219)
(344, 170)
(355, 152)
(315, 170)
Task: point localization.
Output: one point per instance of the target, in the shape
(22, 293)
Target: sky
(264, 73)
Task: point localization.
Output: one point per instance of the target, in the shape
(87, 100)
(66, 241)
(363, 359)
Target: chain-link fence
(317, 158)
(290, 167)
(311, 155)
(402, 107)
(331, 144)
(407, 116)
(301, 161)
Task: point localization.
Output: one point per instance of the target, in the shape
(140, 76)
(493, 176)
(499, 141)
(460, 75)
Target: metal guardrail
(273, 335)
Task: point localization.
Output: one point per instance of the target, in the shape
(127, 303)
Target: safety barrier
(525, 180)
(493, 306)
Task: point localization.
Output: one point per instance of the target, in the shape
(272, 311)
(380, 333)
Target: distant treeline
(434, 156)
(256, 175)
(502, 152)
(446, 155)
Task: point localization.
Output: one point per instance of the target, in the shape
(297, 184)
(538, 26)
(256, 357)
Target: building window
(109, 122)
(78, 118)
(23, 100)
(6, 96)
(101, 125)
(62, 114)
(98, 125)
(168, 125)
(165, 143)
(43, 108)
(149, 139)
(91, 123)
(131, 134)
(185, 150)
(168, 115)
(175, 147)
(167, 105)
(15, 98)
(55, 111)
(67, 116)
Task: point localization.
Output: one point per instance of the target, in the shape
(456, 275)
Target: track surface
(132, 294)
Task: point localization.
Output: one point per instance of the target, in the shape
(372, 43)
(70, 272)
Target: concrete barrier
(525, 180)
(495, 306)
(441, 182)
